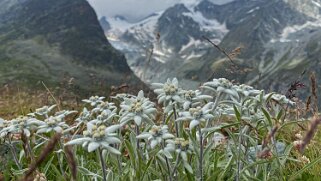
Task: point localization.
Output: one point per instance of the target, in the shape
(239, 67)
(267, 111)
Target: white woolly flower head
(246, 90)
(104, 106)
(3, 127)
(22, 124)
(197, 115)
(182, 147)
(98, 137)
(193, 98)
(44, 111)
(138, 109)
(221, 85)
(169, 93)
(281, 99)
(156, 135)
(84, 117)
(94, 100)
(54, 123)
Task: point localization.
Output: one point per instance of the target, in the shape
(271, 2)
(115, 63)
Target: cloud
(132, 9)
(136, 9)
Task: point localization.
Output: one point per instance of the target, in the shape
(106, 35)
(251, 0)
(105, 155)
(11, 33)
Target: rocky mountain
(278, 39)
(104, 24)
(50, 41)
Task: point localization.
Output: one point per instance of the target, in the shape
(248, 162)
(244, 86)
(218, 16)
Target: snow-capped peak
(190, 4)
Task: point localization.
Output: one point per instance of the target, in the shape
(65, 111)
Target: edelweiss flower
(53, 123)
(197, 115)
(105, 106)
(246, 90)
(221, 85)
(193, 98)
(168, 93)
(64, 113)
(156, 135)
(224, 109)
(3, 127)
(281, 99)
(95, 137)
(138, 109)
(84, 117)
(104, 117)
(182, 147)
(23, 125)
(44, 111)
(94, 100)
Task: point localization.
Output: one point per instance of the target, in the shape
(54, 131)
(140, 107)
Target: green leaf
(131, 153)
(278, 117)
(110, 176)
(307, 166)
(147, 166)
(168, 118)
(237, 113)
(188, 167)
(45, 169)
(267, 116)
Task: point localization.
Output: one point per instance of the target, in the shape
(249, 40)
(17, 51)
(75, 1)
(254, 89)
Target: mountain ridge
(268, 32)
(50, 40)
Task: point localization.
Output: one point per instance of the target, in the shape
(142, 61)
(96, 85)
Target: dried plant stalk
(270, 136)
(310, 133)
(314, 92)
(45, 152)
(71, 161)
(308, 104)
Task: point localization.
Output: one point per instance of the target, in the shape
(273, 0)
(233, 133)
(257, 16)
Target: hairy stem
(175, 166)
(167, 164)
(137, 140)
(239, 154)
(103, 164)
(176, 123)
(14, 153)
(59, 160)
(201, 153)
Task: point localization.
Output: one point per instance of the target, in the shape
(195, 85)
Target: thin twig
(220, 49)
(52, 96)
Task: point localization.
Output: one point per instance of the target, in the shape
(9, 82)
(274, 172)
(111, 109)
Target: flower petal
(138, 120)
(93, 146)
(193, 124)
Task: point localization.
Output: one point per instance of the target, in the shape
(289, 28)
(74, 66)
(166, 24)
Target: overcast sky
(134, 9)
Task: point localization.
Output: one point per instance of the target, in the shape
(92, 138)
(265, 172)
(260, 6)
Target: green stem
(175, 166)
(201, 153)
(14, 154)
(239, 154)
(59, 160)
(176, 123)
(137, 140)
(103, 164)
(167, 163)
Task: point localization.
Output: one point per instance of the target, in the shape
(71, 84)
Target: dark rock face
(47, 39)
(104, 23)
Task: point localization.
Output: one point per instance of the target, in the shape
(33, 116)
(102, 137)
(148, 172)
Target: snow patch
(207, 24)
(252, 10)
(192, 42)
(316, 3)
(287, 31)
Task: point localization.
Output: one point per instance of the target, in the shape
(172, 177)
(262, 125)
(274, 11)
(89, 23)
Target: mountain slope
(279, 38)
(44, 40)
